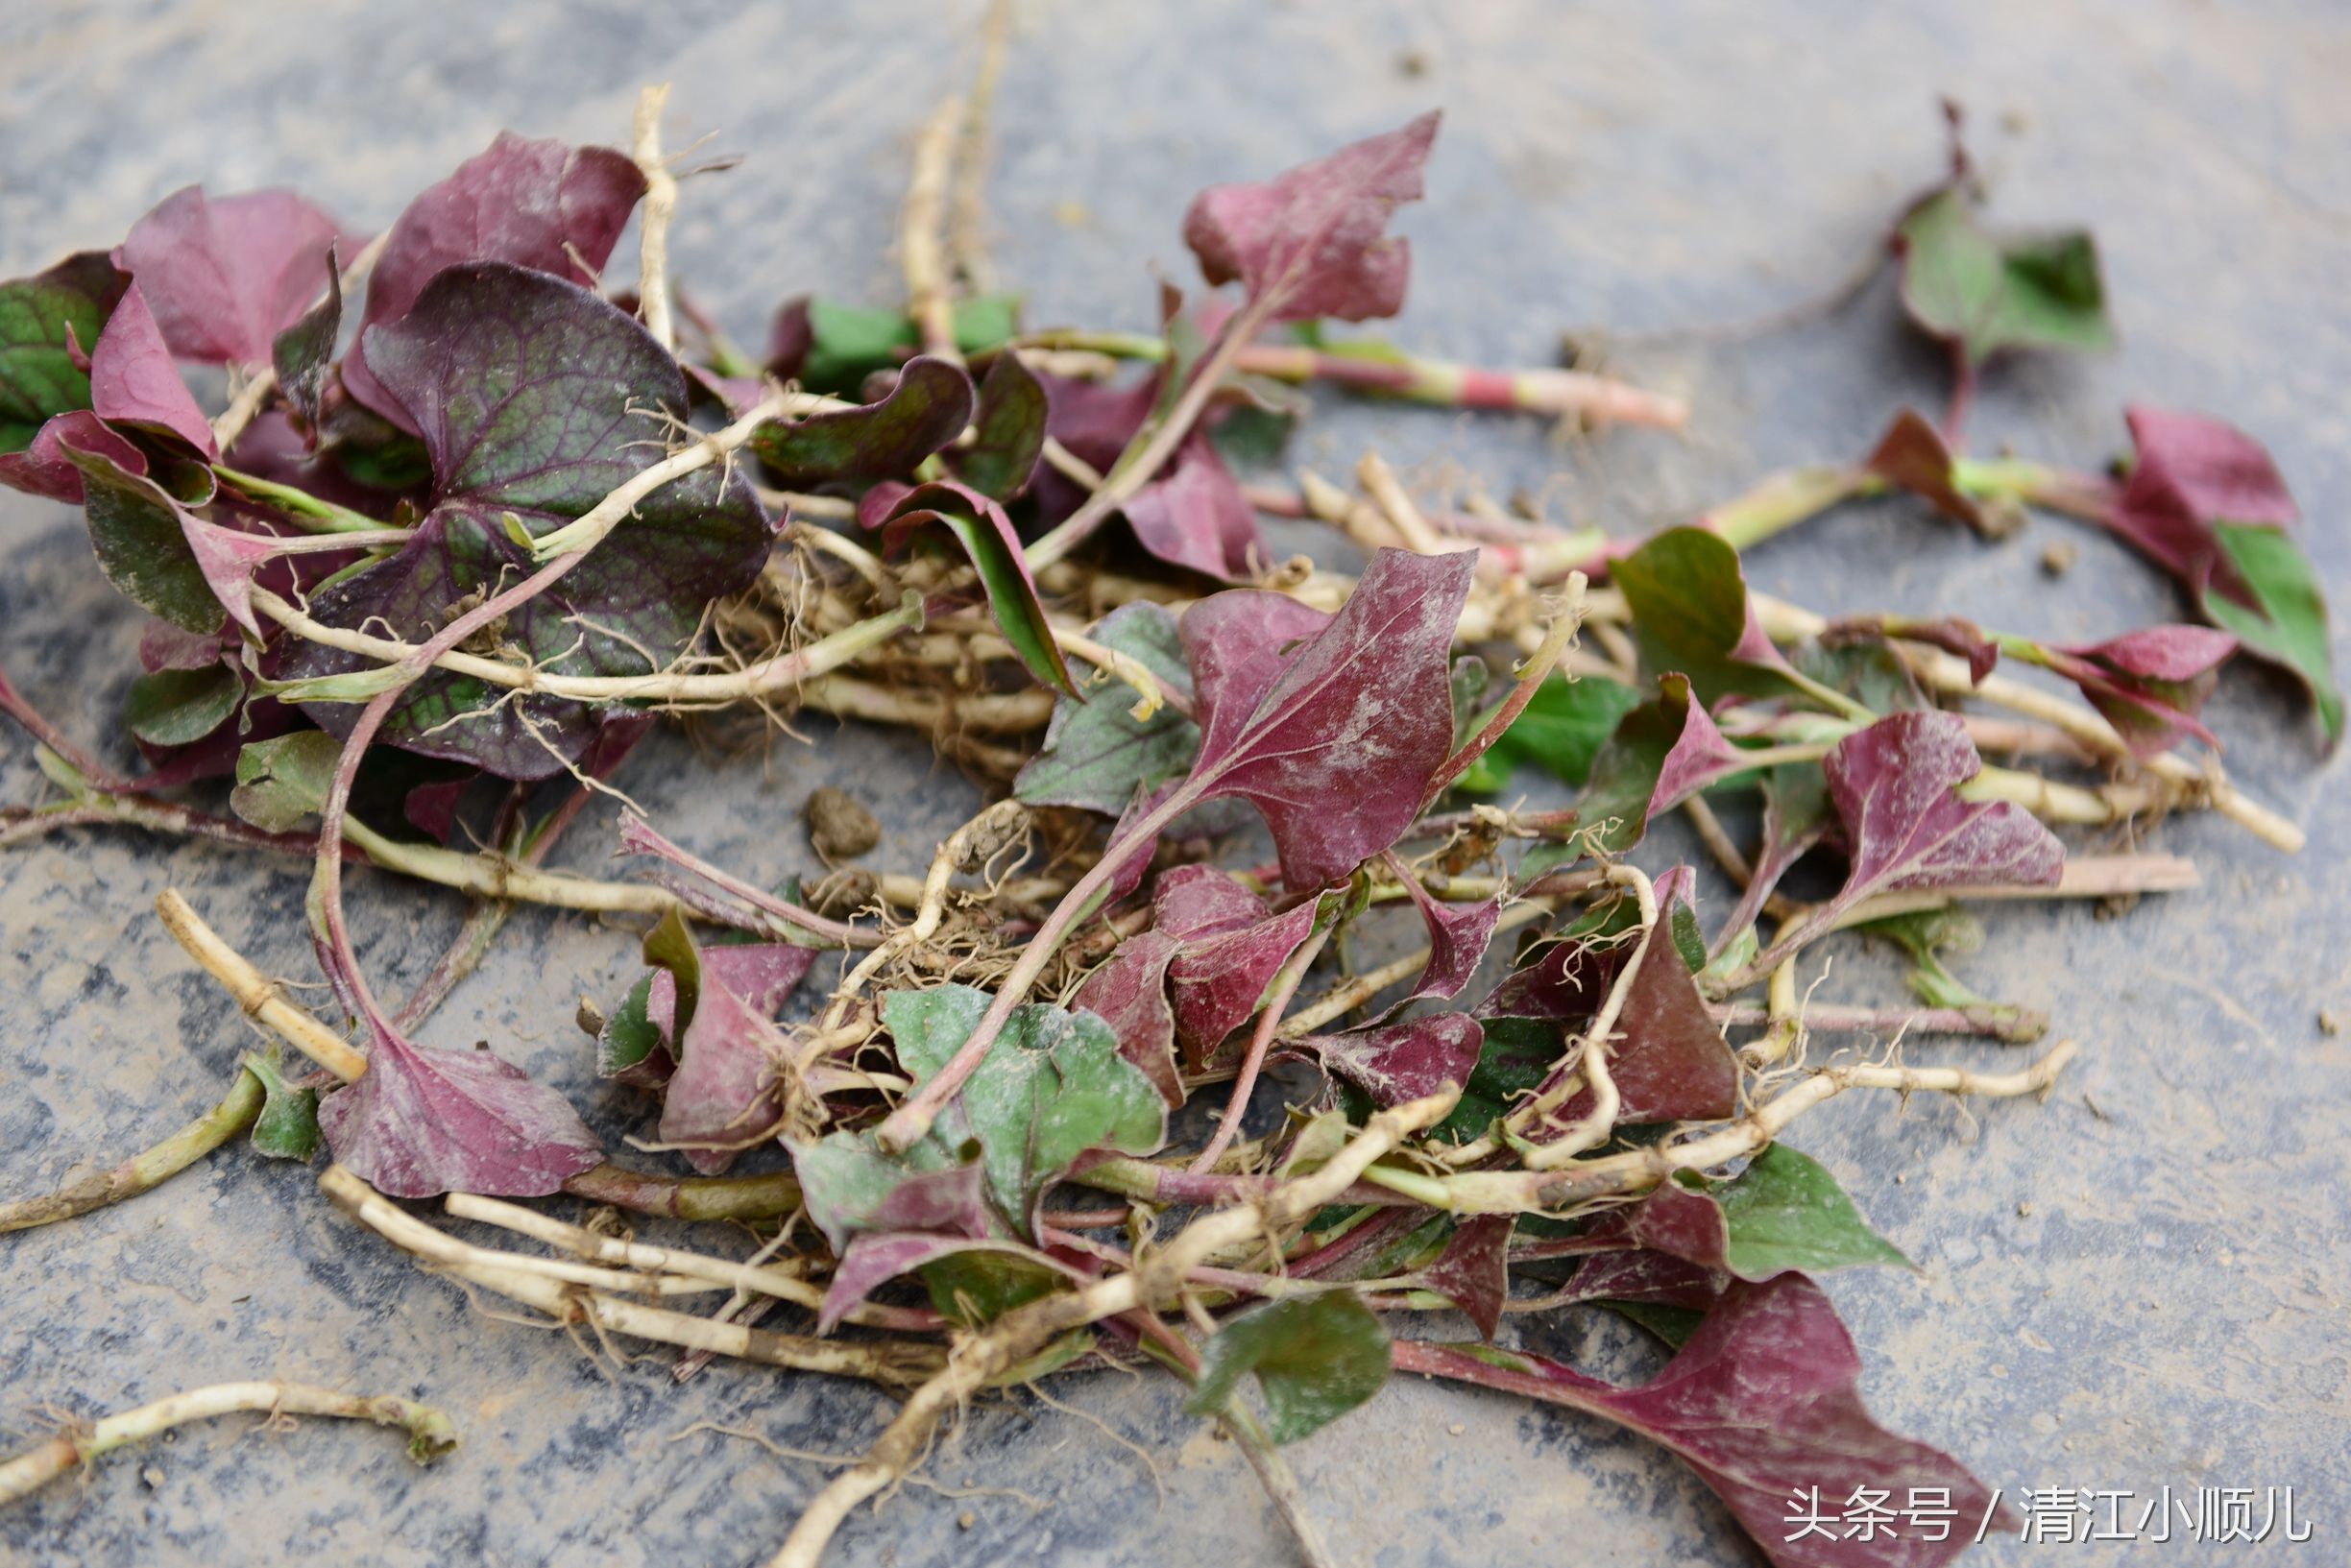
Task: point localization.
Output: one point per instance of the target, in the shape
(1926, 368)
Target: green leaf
(628, 1036)
(2289, 622)
(174, 707)
(1051, 1086)
(287, 1127)
(37, 375)
(135, 529)
(1007, 430)
(847, 344)
(281, 782)
(1689, 939)
(1786, 1212)
(302, 353)
(1562, 730)
(979, 1285)
(1096, 754)
(1316, 1357)
(1690, 615)
(1670, 1323)
(987, 537)
(1987, 292)
(1513, 1061)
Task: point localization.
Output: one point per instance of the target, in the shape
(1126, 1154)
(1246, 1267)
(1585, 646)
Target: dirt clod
(838, 827)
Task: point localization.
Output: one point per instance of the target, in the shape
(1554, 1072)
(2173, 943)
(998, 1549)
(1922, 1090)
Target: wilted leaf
(1312, 242)
(535, 399)
(852, 1188)
(227, 277)
(1097, 754)
(1220, 974)
(2150, 683)
(972, 1282)
(539, 204)
(1988, 292)
(1764, 1403)
(303, 352)
(980, 525)
(1197, 515)
(1051, 1086)
(1459, 934)
(1316, 1357)
(1796, 815)
(422, 1122)
(1912, 455)
(1473, 1271)
(712, 1006)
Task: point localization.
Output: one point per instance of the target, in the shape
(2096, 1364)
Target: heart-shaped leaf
(133, 380)
(1051, 1087)
(540, 204)
(225, 278)
(1196, 515)
(1361, 711)
(535, 399)
(422, 1122)
(1690, 615)
(1316, 1357)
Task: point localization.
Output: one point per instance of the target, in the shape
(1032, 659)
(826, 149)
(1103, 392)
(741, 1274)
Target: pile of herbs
(471, 523)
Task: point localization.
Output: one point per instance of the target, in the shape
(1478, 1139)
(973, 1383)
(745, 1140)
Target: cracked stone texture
(2140, 1283)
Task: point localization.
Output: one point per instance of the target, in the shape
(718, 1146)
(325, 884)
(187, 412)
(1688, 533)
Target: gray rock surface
(2141, 1283)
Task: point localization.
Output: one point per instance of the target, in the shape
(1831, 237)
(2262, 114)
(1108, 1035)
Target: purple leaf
(1312, 242)
(134, 381)
(1895, 788)
(1362, 713)
(1663, 753)
(980, 525)
(1095, 420)
(427, 1121)
(431, 808)
(1220, 981)
(532, 203)
(1129, 993)
(1473, 1271)
(535, 399)
(1961, 638)
(1459, 934)
(1913, 456)
(2207, 503)
(1668, 1060)
(1764, 1403)
(44, 467)
(1639, 1274)
(873, 1260)
(1197, 516)
(724, 1094)
(1393, 1063)
(926, 409)
(229, 558)
(225, 276)
(2150, 683)
(1796, 815)
(1197, 900)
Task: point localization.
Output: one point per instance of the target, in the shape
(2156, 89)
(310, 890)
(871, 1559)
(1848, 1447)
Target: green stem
(149, 1167)
(688, 1198)
(1787, 498)
(305, 509)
